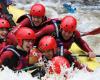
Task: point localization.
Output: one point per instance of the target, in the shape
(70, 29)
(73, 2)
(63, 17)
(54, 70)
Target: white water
(71, 75)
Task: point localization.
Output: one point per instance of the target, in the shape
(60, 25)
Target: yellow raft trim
(92, 64)
(16, 12)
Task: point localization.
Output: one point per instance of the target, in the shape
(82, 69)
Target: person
(66, 34)
(4, 29)
(4, 13)
(48, 47)
(16, 57)
(36, 19)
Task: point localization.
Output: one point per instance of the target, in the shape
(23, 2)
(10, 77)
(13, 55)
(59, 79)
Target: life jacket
(17, 57)
(45, 22)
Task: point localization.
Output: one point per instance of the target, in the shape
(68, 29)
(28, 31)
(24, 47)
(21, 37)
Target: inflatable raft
(93, 64)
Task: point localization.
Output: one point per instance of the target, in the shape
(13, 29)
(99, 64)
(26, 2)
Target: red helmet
(68, 23)
(11, 39)
(57, 62)
(37, 10)
(4, 23)
(47, 43)
(24, 33)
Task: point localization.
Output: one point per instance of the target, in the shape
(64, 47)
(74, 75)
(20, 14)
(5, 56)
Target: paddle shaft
(93, 32)
(87, 55)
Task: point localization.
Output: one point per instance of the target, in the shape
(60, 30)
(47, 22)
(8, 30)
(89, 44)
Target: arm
(45, 30)
(5, 55)
(83, 45)
(72, 59)
(25, 22)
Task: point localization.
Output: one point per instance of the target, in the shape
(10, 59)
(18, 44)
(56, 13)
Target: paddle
(93, 32)
(84, 55)
(31, 67)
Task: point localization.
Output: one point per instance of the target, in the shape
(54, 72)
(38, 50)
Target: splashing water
(66, 74)
(11, 75)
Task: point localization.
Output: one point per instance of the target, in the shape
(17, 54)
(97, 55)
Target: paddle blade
(93, 32)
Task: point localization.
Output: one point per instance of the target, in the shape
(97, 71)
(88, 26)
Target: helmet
(68, 23)
(37, 10)
(4, 23)
(47, 43)
(24, 33)
(34, 56)
(57, 62)
(11, 39)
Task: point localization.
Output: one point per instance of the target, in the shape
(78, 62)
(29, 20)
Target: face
(48, 54)
(3, 32)
(37, 20)
(27, 45)
(66, 35)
